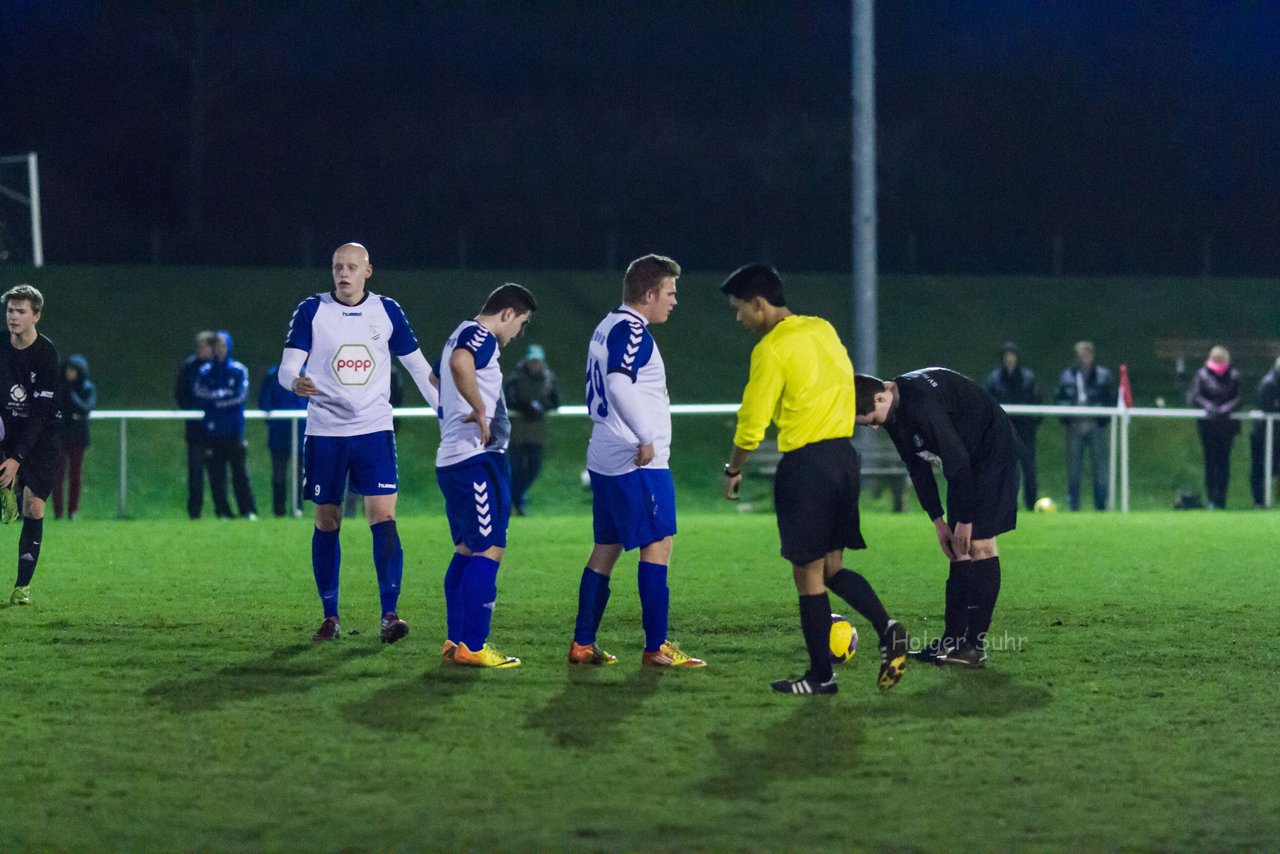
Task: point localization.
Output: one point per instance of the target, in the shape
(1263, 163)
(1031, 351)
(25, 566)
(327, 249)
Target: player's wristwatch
(728, 472)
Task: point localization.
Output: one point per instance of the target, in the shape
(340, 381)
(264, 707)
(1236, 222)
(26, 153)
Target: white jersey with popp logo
(349, 349)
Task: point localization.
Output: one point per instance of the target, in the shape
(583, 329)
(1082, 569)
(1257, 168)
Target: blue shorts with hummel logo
(634, 509)
(477, 500)
(367, 462)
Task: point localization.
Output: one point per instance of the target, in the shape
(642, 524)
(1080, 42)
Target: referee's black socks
(815, 622)
(980, 598)
(856, 590)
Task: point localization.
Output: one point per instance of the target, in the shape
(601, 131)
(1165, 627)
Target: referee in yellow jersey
(802, 379)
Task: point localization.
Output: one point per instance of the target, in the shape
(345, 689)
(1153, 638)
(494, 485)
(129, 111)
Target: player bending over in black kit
(937, 415)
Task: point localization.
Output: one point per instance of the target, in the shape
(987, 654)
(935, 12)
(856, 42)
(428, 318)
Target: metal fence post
(124, 467)
(1268, 460)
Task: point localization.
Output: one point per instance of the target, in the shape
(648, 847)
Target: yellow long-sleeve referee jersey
(802, 380)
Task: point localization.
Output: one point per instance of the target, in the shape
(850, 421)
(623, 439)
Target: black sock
(29, 549)
(984, 589)
(815, 622)
(955, 616)
(856, 590)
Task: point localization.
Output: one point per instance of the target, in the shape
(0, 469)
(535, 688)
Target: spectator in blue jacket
(1086, 384)
(222, 385)
(273, 396)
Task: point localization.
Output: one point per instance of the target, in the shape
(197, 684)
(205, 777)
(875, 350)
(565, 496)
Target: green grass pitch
(162, 693)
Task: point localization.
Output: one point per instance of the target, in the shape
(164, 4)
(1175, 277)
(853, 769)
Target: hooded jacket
(76, 400)
(221, 388)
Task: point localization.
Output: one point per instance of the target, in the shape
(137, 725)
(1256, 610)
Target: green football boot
(8, 505)
(20, 596)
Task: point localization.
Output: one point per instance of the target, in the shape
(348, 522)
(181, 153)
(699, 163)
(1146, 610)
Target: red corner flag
(1126, 391)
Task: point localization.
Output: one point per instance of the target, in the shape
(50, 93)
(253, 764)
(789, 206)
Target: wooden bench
(881, 466)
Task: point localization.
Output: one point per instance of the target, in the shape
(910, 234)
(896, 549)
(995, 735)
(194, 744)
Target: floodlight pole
(37, 235)
(865, 344)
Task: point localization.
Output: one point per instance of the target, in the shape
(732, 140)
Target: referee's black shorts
(815, 493)
(37, 469)
(997, 495)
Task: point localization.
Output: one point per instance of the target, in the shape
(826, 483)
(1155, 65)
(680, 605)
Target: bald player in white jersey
(344, 339)
(633, 495)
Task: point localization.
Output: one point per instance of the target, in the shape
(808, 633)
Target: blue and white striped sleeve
(403, 341)
(480, 343)
(629, 347)
(299, 336)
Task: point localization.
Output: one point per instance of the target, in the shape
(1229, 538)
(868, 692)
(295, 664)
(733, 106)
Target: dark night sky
(1141, 136)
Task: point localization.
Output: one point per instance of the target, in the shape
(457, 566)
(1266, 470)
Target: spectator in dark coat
(1268, 401)
(1010, 382)
(531, 393)
(273, 396)
(1086, 384)
(1216, 389)
(184, 394)
(77, 397)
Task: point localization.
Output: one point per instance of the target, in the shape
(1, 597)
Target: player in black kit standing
(28, 378)
(938, 415)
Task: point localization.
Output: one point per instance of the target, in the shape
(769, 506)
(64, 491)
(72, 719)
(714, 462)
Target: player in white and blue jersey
(344, 340)
(633, 495)
(472, 471)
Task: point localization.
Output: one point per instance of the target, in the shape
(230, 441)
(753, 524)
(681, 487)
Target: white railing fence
(1120, 417)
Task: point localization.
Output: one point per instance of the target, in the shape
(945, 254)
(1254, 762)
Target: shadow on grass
(818, 736)
(959, 694)
(413, 706)
(592, 705)
(281, 672)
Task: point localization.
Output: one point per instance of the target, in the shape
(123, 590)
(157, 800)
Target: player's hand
(962, 539)
(644, 454)
(477, 417)
(304, 387)
(945, 537)
(9, 472)
(731, 484)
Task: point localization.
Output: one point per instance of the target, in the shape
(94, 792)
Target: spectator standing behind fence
(77, 397)
(184, 394)
(222, 385)
(1010, 382)
(1086, 384)
(273, 396)
(531, 393)
(1268, 401)
(1216, 390)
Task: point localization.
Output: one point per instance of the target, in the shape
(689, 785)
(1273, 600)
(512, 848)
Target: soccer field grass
(162, 693)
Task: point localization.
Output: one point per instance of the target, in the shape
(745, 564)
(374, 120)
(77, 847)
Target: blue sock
(453, 595)
(479, 594)
(326, 556)
(388, 560)
(593, 595)
(654, 600)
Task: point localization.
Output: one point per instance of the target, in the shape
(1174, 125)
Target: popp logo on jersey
(353, 364)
